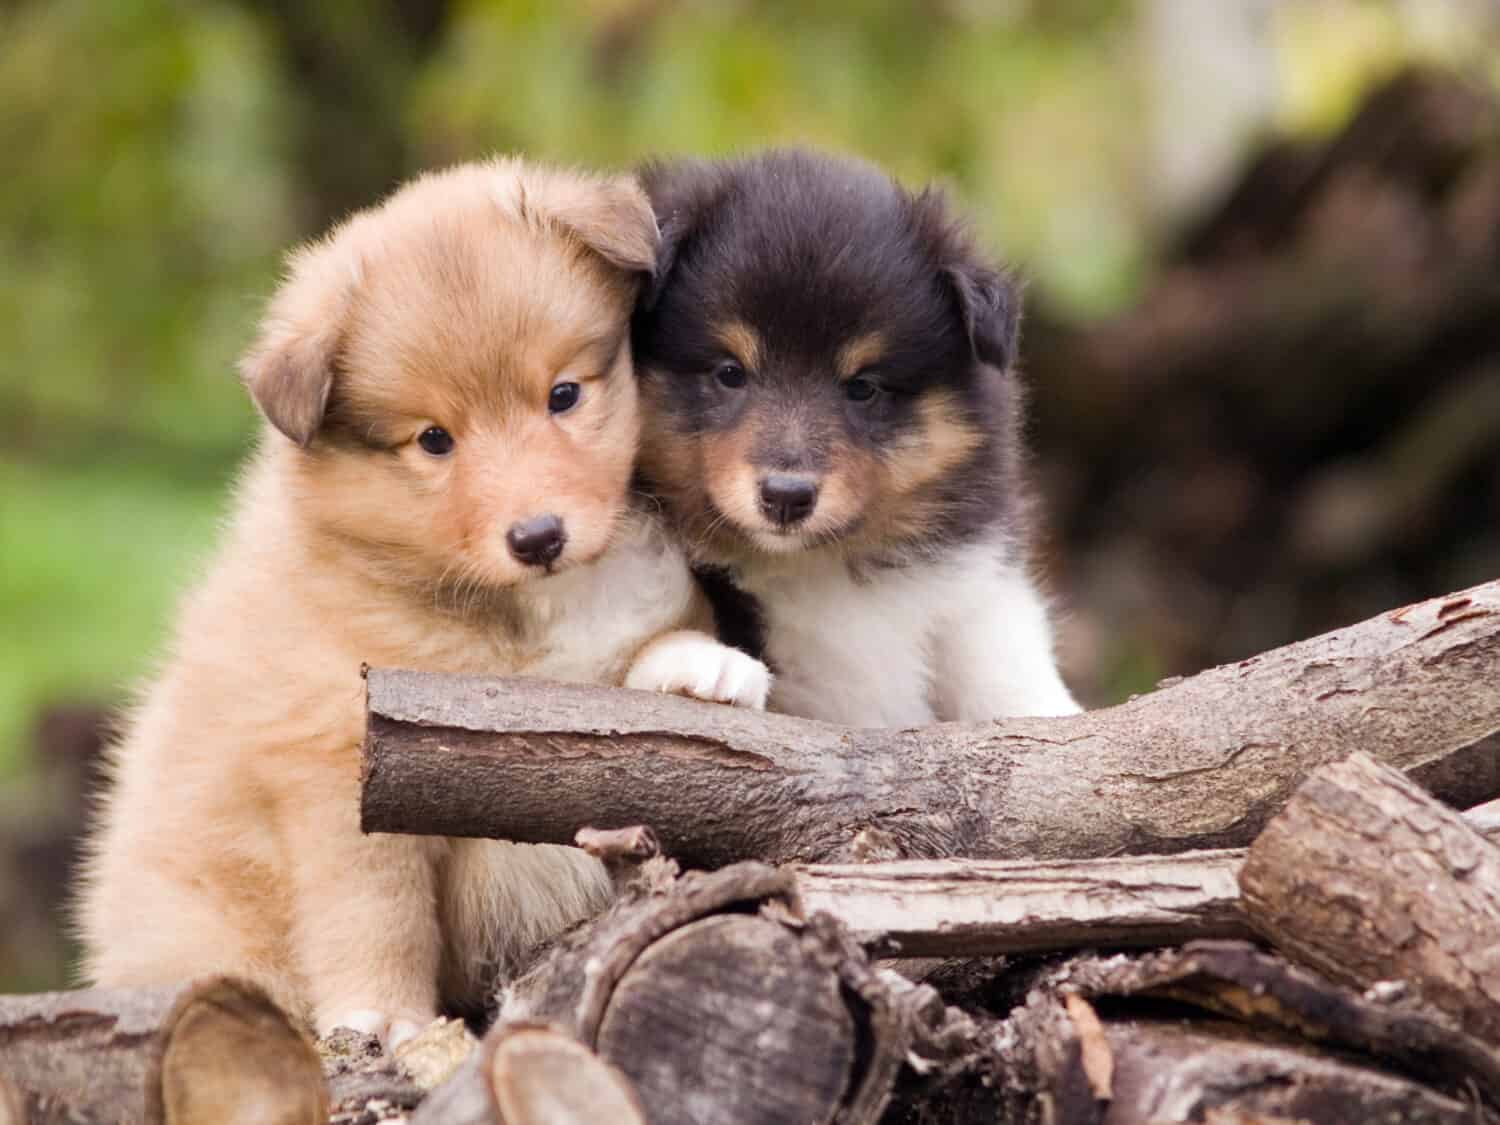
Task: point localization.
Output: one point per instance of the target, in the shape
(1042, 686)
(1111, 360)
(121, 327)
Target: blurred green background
(162, 155)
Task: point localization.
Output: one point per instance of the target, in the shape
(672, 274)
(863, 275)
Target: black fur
(738, 618)
(811, 252)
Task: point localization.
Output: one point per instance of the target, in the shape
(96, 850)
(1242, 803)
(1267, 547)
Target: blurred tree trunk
(1299, 425)
(351, 65)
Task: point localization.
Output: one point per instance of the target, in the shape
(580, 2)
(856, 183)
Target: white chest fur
(966, 637)
(593, 619)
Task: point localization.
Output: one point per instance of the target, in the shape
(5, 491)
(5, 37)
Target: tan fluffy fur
(228, 839)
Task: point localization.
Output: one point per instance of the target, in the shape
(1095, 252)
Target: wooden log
(1164, 1071)
(1239, 981)
(969, 908)
(1202, 763)
(210, 1050)
(1368, 879)
(976, 907)
(542, 1077)
(532, 1074)
(716, 1015)
(1220, 1026)
(363, 1078)
(720, 1003)
(12, 1103)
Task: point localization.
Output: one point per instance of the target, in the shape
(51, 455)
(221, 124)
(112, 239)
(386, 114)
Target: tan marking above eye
(741, 342)
(859, 353)
(943, 441)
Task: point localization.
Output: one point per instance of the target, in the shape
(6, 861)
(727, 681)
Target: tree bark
(1367, 878)
(1213, 1028)
(211, 1050)
(972, 908)
(715, 1014)
(1201, 763)
(720, 1003)
(1166, 1071)
(982, 908)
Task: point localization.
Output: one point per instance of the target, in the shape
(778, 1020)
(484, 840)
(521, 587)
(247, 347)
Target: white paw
(391, 1031)
(695, 664)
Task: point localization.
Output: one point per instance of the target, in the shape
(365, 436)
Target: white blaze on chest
(852, 650)
(593, 619)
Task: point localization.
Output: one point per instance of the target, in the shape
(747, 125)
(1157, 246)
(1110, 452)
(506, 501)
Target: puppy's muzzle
(537, 541)
(788, 499)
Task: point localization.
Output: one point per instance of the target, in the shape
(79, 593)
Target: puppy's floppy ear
(289, 370)
(612, 217)
(681, 192)
(988, 300)
(989, 304)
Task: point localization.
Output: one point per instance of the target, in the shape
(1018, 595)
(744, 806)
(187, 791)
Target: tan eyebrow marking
(943, 441)
(859, 353)
(742, 342)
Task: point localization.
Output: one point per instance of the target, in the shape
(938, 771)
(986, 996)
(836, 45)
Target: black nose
(537, 541)
(788, 499)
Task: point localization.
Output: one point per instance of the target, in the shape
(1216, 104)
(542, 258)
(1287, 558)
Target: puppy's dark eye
(563, 398)
(861, 388)
(730, 374)
(436, 441)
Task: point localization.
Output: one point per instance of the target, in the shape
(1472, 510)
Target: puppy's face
(455, 365)
(824, 361)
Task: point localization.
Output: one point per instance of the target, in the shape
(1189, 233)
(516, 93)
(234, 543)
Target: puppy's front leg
(993, 657)
(688, 662)
(366, 931)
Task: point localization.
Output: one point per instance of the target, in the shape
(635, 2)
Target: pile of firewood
(1245, 897)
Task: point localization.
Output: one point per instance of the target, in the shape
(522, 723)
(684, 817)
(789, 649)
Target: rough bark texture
(365, 1085)
(966, 908)
(1166, 1071)
(716, 1015)
(1238, 981)
(977, 907)
(1216, 1028)
(1202, 763)
(213, 1050)
(1367, 878)
(768, 1025)
(720, 1003)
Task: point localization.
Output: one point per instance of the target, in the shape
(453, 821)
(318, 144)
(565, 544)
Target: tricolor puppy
(833, 425)
(443, 483)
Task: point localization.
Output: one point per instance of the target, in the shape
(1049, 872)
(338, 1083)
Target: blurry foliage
(1027, 118)
(1331, 52)
(145, 198)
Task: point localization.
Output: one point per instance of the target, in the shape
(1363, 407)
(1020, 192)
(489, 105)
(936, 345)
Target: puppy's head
(447, 376)
(825, 359)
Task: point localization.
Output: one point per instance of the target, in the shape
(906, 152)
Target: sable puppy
(833, 425)
(443, 483)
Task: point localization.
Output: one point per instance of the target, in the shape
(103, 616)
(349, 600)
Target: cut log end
(540, 1076)
(1367, 878)
(232, 1055)
(728, 1020)
(213, 1050)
